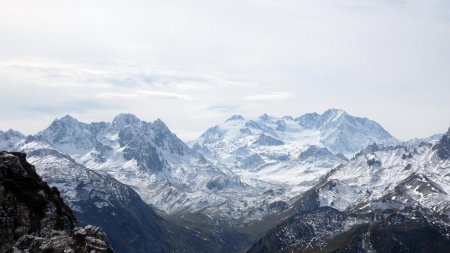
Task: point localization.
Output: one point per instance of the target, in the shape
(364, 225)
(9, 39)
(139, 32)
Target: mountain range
(150, 191)
(386, 199)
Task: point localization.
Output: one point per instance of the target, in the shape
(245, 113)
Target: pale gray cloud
(143, 93)
(224, 108)
(168, 95)
(199, 61)
(70, 107)
(269, 96)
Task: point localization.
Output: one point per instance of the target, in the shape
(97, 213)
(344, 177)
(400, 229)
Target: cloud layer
(194, 63)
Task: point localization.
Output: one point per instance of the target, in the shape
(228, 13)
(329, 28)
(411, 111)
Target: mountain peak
(264, 117)
(9, 139)
(64, 122)
(158, 123)
(124, 119)
(235, 118)
(67, 119)
(12, 133)
(333, 112)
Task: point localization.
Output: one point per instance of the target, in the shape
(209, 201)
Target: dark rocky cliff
(33, 216)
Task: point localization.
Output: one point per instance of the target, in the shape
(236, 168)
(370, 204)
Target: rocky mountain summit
(33, 216)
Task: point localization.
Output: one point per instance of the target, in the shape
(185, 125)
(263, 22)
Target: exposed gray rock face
(443, 147)
(33, 216)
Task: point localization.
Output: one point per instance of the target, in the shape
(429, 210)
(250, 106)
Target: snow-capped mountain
(278, 139)
(386, 199)
(99, 199)
(145, 145)
(392, 176)
(289, 152)
(164, 171)
(131, 224)
(242, 174)
(9, 139)
(343, 133)
(133, 151)
(252, 167)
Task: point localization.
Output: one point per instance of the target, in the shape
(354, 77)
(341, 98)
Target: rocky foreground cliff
(33, 216)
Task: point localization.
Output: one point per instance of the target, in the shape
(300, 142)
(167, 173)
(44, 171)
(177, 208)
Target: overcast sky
(195, 63)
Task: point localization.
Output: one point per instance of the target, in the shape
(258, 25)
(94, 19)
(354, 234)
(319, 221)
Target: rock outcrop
(443, 146)
(33, 216)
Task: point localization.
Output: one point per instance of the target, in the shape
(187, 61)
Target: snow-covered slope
(99, 199)
(10, 139)
(382, 177)
(131, 224)
(288, 152)
(343, 133)
(278, 139)
(144, 145)
(386, 199)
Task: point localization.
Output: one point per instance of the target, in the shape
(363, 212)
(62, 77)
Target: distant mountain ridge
(267, 154)
(95, 142)
(151, 159)
(237, 175)
(9, 139)
(334, 129)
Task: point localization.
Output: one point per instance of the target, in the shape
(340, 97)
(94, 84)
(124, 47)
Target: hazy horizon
(192, 136)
